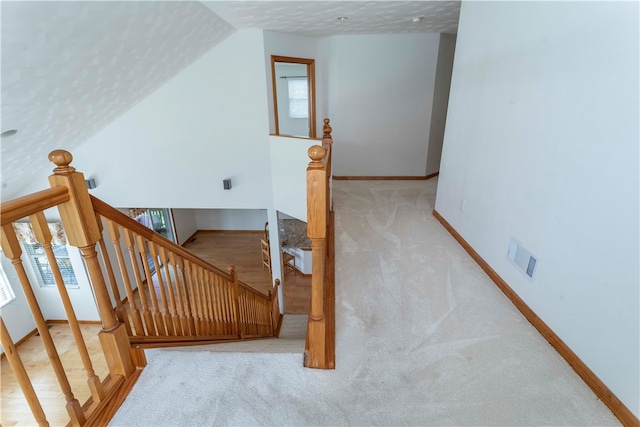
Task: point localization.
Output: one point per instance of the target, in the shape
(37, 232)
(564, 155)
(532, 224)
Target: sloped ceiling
(69, 68)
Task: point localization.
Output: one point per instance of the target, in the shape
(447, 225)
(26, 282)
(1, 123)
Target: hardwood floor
(14, 408)
(243, 249)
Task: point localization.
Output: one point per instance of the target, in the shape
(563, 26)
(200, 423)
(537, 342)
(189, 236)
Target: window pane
(6, 293)
(298, 98)
(42, 268)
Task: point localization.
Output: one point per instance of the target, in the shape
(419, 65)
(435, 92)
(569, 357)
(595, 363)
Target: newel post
(82, 230)
(317, 232)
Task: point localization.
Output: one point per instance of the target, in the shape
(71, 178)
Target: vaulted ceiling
(71, 68)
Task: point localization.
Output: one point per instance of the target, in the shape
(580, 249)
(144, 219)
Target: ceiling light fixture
(342, 18)
(417, 19)
(8, 133)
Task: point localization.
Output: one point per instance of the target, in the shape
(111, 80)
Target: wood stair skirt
(623, 413)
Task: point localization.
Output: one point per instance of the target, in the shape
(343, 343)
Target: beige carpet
(423, 338)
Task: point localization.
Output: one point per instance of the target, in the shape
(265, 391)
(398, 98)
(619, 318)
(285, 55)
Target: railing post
(317, 232)
(82, 230)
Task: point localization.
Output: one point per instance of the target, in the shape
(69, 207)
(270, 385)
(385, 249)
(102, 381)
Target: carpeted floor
(423, 338)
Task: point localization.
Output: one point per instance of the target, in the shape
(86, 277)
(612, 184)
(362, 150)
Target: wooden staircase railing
(186, 300)
(320, 342)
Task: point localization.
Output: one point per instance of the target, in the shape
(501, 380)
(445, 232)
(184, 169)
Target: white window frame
(6, 292)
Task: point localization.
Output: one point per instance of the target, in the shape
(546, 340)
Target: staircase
(152, 293)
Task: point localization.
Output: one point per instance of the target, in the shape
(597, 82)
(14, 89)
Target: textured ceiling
(319, 18)
(69, 68)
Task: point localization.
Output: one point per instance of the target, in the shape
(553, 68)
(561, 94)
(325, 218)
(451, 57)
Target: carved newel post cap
(316, 153)
(62, 159)
(326, 129)
(231, 269)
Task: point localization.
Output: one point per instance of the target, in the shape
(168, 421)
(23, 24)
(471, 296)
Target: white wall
(81, 297)
(380, 101)
(444, 68)
(185, 224)
(231, 219)
(542, 144)
(289, 161)
(16, 314)
(175, 147)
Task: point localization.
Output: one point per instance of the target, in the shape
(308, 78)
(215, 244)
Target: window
(42, 268)
(6, 293)
(298, 98)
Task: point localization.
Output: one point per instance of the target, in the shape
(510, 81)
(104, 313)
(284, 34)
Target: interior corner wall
(380, 102)
(542, 144)
(442, 84)
(175, 147)
(282, 44)
(185, 224)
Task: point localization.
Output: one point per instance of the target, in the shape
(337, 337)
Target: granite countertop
(295, 234)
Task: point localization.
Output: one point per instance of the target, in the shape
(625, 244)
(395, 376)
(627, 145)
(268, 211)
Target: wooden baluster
(244, 308)
(17, 367)
(170, 287)
(230, 305)
(206, 290)
(157, 316)
(252, 322)
(115, 292)
(196, 303)
(168, 321)
(43, 235)
(217, 306)
(121, 312)
(221, 307)
(211, 297)
(202, 307)
(275, 308)
(197, 298)
(179, 287)
(188, 292)
(114, 235)
(201, 300)
(225, 305)
(129, 241)
(316, 230)
(214, 288)
(13, 251)
(235, 293)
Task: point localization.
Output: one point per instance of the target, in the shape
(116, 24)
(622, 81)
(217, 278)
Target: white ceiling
(319, 18)
(69, 68)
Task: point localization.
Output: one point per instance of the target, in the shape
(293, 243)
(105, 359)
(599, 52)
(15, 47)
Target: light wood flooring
(14, 408)
(242, 249)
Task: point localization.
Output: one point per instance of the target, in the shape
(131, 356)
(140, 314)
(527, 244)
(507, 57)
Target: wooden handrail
(21, 207)
(118, 217)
